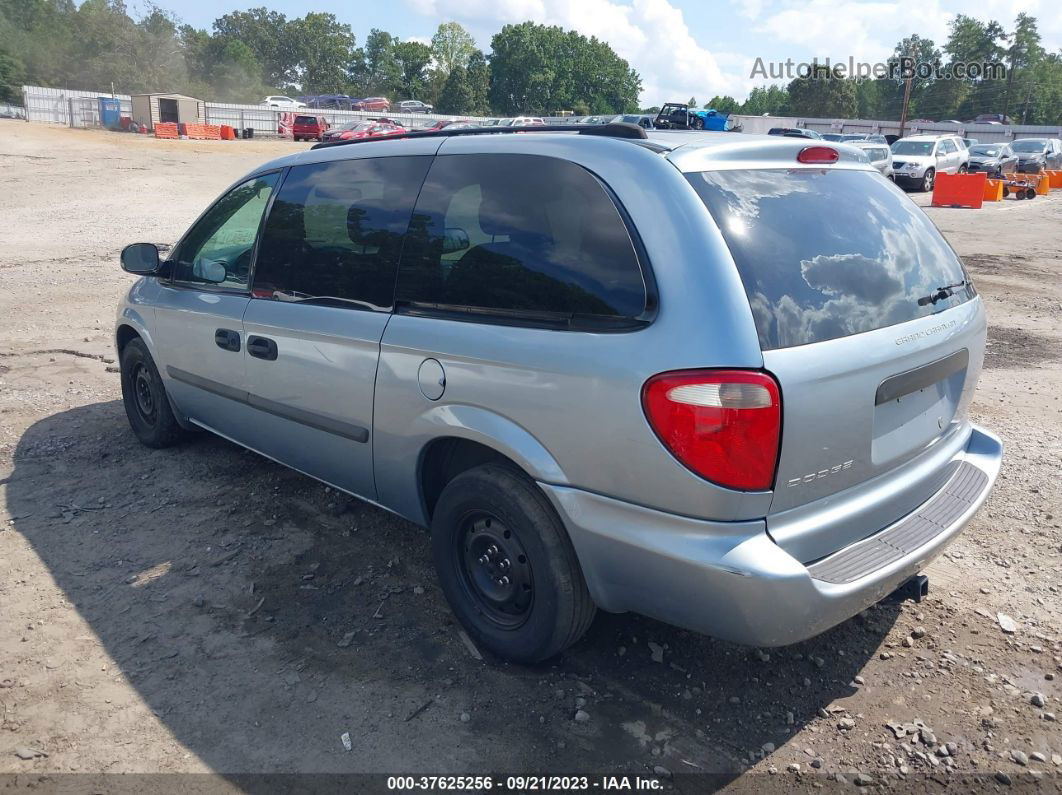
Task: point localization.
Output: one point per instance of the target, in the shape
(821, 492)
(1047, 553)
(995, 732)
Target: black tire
(144, 396)
(1030, 193)
(1006, 191)
(964, 170)
(928, 179)
(543, 606)
(697, 123)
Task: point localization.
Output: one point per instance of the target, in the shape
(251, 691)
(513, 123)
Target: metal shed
(150, 109)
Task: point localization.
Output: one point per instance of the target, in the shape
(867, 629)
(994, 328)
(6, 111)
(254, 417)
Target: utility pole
(906, 98)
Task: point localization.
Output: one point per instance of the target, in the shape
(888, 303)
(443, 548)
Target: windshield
(923, 148)
(1028, 146)
(828, 253)
(991, 151)
(357, 125)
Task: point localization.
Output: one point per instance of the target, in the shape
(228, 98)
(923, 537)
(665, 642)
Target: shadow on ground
(261, 615)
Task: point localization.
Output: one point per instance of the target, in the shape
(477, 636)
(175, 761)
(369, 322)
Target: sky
(681, 48)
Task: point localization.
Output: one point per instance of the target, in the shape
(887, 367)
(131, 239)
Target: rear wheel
(1030, 193)
(507, 566)
(697, 123)
(144, 396)
(928, 180)
(963, 170)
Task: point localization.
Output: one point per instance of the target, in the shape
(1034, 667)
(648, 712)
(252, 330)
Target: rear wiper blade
(941, 293)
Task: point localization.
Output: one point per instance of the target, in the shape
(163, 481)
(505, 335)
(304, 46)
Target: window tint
(306, 120)
(947, 147)
(335, 231)
(825, 254)
(520, 233)
(224, 237)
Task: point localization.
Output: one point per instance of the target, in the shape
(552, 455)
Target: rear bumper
(730, 580)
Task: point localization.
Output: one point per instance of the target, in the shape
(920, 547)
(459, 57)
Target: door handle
(227, 339)
(262, 348)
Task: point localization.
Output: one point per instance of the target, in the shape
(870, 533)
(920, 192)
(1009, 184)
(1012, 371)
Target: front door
(200, 311)
(322, 295)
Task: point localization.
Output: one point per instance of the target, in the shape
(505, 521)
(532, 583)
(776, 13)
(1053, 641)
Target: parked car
(415, 106)
(834, 137)
(878, 153)
(1034, 154)
(917, 159)
(332, 101)
(523, 121)
(680, 116)
(990, 118)
(371, 104)
(309, 128)
(454, 123)
(282, 102)
(847, 138)
(995, 160)
(363, 129)
(795, 132)
(970, 142)
(643, 120)
(398, 322)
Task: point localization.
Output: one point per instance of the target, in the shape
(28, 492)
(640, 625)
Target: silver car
(879, 155)
(718, 380)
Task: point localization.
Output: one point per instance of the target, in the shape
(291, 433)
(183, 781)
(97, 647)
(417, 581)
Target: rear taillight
(818, 154)
(722, 424)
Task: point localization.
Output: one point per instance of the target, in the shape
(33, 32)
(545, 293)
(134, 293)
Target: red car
(364, 129)
(371, 103)
(306, 128)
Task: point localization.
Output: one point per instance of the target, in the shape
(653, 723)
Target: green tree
(413, 58)
(12, 75)
(692, 102)
(327, 48)
(270, 37)
(819, 95)
(456, 95)
(772, 100)
(1023, 52)
(725, 104)
(374, 68)
(540, 69)
(973, 41)
(451, 46)
(478, 76)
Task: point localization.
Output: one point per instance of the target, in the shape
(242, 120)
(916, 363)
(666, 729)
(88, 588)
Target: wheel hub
(145, 397)
(497, 571)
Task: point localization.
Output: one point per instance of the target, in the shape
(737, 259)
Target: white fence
(81, 109)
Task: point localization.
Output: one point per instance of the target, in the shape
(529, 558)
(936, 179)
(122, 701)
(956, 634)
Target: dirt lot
(204, 610)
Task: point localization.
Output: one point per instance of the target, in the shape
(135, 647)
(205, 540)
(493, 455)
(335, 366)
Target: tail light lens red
(725, 425)
(818, 154)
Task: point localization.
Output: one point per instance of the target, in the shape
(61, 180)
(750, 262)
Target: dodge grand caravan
(718, 380)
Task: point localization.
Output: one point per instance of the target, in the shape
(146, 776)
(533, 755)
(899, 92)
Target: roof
(166, 95)
(687, 150)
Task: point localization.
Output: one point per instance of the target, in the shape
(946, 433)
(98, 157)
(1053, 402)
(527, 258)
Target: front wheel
(697, 123)
(963, 170)
(507, 566)
(928, 180)
(144, 396)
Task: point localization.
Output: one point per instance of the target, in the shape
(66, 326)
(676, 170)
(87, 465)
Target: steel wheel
(496, 572)
(144, 395)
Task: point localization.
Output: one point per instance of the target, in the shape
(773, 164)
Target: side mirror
(209, 271)
(141, 259)
(454, 240)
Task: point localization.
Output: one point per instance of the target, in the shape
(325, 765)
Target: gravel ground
(203, 610)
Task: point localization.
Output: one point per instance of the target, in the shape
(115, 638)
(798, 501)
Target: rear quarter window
(828, 253)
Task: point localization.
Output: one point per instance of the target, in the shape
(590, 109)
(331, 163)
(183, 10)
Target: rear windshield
(828, 253)
(913, 147)
(306, 120)
(1029, 146)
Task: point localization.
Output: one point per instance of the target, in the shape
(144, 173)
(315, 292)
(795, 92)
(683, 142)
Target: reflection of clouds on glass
(825, 254)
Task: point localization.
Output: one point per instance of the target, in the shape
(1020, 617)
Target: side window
(947, 147)
(218, 249)
(519, 233)
(335, 232)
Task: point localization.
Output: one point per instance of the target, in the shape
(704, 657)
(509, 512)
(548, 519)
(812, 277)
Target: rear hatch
(865, 317)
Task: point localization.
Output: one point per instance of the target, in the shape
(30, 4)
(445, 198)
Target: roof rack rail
(613, 130)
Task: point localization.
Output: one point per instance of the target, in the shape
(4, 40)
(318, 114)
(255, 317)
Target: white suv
(917, 159)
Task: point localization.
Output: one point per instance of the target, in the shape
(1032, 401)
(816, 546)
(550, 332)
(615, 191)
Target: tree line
(250, 54)
(530, 68)
(1030, 93)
